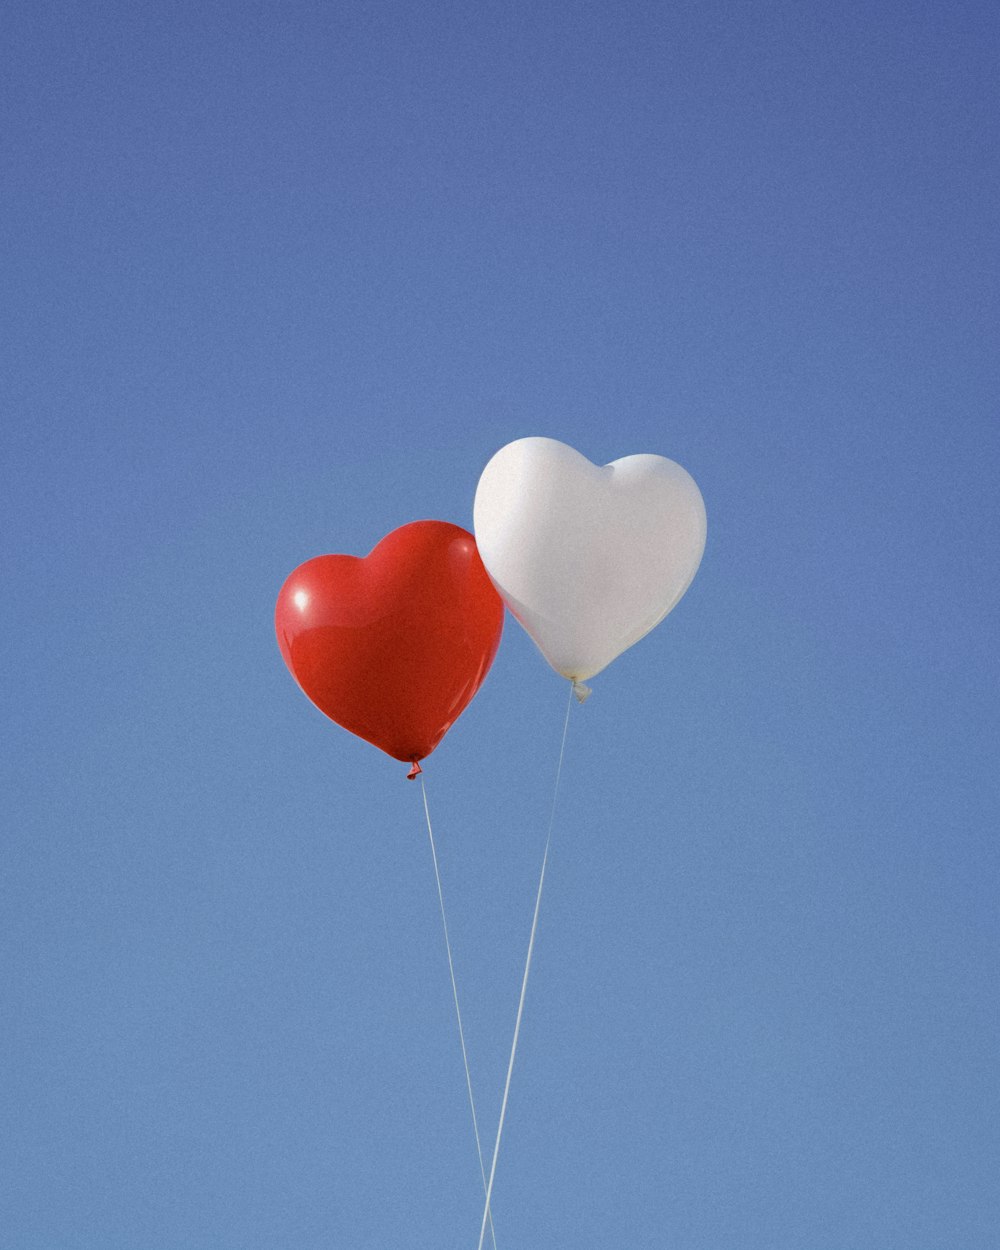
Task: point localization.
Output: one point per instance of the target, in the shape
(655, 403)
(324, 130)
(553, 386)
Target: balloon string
(527, 970)
(458, 1012)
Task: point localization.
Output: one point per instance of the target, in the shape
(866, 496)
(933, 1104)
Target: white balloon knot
(581, 691)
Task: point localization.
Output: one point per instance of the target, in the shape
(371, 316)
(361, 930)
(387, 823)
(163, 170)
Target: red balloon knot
(414, 772)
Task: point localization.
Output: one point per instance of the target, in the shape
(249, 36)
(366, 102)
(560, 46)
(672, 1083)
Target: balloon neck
(581, 691)
(414, 772)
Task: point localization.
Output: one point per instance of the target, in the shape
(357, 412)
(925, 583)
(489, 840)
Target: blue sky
(278, 279)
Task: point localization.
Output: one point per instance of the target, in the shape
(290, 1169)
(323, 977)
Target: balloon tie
(414, 772)
(458, 1013)
(527, 970)
(581, 691)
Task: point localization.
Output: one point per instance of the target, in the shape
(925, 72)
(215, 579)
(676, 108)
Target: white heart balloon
(589, 559)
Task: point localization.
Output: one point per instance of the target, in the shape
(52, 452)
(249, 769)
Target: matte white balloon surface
(589, 559)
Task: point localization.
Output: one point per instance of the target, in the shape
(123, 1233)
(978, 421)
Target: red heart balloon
(394, 645)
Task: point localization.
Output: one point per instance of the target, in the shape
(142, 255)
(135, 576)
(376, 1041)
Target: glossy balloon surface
(588, 558)
(393, 645)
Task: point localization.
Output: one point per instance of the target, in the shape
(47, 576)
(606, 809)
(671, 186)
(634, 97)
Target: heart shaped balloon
(589, 559)
(394, 645)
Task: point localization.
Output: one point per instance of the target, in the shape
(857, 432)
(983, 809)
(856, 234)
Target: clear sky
(278, 278)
